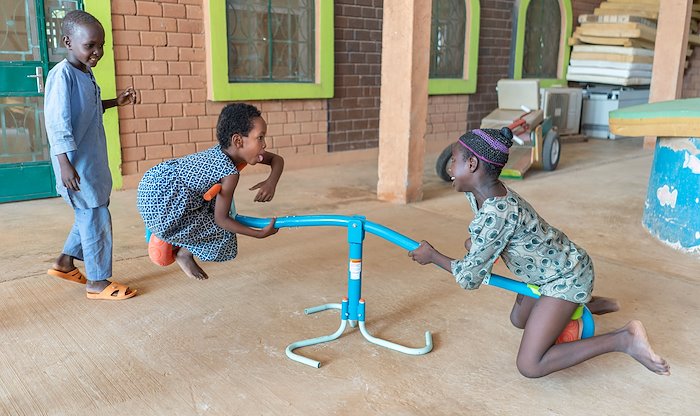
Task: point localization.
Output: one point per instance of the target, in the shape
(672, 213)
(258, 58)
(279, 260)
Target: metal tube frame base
(318, 340)
(398, 347)
(343, 324)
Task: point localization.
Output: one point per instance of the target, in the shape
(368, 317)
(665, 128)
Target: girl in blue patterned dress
(170, 196)
(506, 226)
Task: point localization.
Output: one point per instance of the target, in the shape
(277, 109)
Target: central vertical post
(356, 235)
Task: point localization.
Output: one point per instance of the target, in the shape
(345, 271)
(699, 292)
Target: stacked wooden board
(679, 118)
(615, 45)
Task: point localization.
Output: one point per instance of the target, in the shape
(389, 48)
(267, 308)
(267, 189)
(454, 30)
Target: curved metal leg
(397, 347)
(318, 340)
(322, 308)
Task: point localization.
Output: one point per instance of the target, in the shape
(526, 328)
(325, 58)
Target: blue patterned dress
(170, 199)
(535, 251)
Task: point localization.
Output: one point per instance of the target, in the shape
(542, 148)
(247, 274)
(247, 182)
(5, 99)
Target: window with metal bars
(447, 38)
(271, 40)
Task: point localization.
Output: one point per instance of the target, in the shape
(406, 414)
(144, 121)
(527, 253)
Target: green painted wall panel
(24, 181)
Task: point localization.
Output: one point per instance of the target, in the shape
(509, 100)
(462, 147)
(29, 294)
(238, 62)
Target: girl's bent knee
(529, 368)
(529, 371)
(516, 321)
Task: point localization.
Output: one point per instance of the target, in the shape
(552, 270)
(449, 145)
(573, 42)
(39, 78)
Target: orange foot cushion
(160, 252)
(572, 332)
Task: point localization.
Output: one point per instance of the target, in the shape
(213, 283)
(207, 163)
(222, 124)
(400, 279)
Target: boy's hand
(424, 254)
(128, 96)
(69, 176)
(266, 191)
(269, 229)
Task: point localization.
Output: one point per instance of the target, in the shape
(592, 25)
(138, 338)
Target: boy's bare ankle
(63, 263)
(96, 286)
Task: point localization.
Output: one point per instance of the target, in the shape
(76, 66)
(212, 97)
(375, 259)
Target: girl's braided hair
(488, 145)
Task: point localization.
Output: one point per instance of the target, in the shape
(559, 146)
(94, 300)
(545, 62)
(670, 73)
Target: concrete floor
(183, 347)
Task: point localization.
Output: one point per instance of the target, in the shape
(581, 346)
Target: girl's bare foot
(185, 260)
(638, 347)
(63, 263)
(599, 305)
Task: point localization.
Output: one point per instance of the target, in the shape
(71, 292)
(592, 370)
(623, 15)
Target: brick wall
(446, 117)
(691, 77)
(159, 48)
(353, 112)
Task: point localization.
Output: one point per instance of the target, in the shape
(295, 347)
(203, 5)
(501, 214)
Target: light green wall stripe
(520, 39)
(567, 31)
(222, 90)
(520, 43)
(444, 86)
(106, 78)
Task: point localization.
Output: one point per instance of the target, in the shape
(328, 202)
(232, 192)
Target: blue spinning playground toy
(352, 307)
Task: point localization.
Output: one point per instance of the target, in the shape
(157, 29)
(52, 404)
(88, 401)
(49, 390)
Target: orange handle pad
(212, 192)
(216, 188)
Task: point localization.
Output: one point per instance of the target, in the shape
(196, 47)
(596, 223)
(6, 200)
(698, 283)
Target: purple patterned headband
(491, 141)
(479, 156)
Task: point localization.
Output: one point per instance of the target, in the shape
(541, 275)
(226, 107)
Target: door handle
(39, 75)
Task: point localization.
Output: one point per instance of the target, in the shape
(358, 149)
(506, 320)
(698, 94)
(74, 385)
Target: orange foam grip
(212, 192)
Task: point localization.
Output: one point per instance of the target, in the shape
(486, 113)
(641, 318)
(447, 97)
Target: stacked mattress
(615, 45)
(615, 65)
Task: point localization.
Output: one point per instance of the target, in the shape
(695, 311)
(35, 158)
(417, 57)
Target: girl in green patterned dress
(506, 226)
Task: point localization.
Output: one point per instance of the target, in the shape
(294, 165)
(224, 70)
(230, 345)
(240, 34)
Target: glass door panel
(19, 40)
(21, 69)
(21, 130)
(54, 12)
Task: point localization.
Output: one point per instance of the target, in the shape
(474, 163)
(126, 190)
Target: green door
(30, 44)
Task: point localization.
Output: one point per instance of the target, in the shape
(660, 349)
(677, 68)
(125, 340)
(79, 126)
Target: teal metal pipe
(403, 242)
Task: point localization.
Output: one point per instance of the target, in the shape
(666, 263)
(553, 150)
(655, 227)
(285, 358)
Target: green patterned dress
(534, 251)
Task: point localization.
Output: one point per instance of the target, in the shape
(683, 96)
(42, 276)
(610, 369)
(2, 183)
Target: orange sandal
(115, 291)
(73, 275)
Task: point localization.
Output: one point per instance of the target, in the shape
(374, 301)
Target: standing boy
(73, 113)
